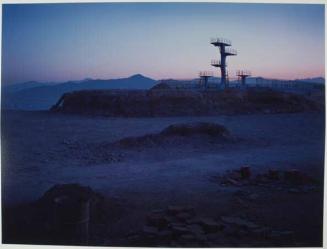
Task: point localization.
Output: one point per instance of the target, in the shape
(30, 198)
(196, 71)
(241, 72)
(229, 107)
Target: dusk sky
(59, 42)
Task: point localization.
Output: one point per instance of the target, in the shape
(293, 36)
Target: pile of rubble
(179, 226)
(201, 128)
(293, 179)
(183, 133)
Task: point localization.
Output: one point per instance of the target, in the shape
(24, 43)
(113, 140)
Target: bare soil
(41, 149)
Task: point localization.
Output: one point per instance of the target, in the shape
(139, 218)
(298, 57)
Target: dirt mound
(142, 103)
(180, 133)
(201, 128)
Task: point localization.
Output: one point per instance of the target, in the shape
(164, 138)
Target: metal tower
(223, 45)
(204, 77)
(243, 74)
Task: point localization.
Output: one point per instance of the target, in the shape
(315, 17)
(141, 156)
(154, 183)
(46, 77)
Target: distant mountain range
(319, 80)
(41, 96)
(255, 80)
(34, 95)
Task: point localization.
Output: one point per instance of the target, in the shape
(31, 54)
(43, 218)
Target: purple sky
(59, 42)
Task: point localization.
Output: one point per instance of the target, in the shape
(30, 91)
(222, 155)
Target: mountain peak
(138, 76)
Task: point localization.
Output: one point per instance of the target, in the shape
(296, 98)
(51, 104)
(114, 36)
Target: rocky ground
(253, 180)
(244, 225)
(153, 103)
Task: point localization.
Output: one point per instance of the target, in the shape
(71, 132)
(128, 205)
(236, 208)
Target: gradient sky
(59, 42)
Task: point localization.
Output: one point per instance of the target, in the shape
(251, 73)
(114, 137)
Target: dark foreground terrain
(163, 103)
(242, 180)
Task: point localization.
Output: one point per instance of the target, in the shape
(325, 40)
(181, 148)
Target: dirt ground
(41, 149)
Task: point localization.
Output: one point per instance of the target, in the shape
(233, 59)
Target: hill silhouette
(41, 96)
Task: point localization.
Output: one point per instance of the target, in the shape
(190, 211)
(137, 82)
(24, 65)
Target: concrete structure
(204, 77)
(225, 51)
(243, 74)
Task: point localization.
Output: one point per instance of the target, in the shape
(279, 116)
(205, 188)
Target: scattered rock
(177, 224)
(165, 235)
(272, 178)
(241, 203)
(239, 222)
(241, 193)
(245, 172)
(273, 174)
(295, 176)
(67, 142)
(174, 210)
(235, 175)
(183, 216)
(253, 197)
(179, 230)
(150, 230)
(230, 181)
(133, 237)
(192, 231)
(261, 232)
(157, 220)
(210, 226)
(188, 237)
(282, 236)
(294, 190)
(195, 229)
(307, 189)
(231, 231)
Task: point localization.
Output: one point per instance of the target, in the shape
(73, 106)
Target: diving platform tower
(204, 77)
(223, 45)
(243, 74)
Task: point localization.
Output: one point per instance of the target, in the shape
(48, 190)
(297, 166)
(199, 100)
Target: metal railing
(243, 73)
(216, 63)
(205, 73)
(230, 51)
(220, 41)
